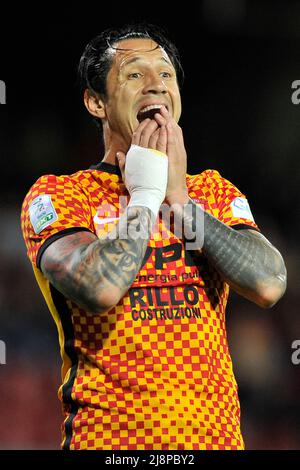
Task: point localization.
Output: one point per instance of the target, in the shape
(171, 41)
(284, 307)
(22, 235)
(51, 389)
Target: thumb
(121, 160)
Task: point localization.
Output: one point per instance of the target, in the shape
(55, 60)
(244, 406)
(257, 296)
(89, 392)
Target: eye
(134, 75)
(166, 74)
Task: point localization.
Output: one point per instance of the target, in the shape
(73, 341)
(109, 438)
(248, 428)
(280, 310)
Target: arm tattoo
(245, 259)
(89, 270)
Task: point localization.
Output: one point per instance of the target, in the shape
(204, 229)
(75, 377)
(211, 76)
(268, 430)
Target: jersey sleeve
(53, 207)
(233, 207)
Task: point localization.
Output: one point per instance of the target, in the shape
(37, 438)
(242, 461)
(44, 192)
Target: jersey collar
(107, 167)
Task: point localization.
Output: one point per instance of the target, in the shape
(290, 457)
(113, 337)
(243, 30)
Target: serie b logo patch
(241, 209)
(42, 213)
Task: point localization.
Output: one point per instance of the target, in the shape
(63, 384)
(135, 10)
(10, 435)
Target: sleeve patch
(241, 209)
(42, 213)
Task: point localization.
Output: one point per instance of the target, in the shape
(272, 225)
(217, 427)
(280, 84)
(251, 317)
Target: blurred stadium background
(240, 58)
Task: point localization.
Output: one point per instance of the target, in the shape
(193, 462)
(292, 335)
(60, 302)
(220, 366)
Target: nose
(154, 84)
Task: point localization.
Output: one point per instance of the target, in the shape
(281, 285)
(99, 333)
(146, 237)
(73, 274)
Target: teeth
(152, 106)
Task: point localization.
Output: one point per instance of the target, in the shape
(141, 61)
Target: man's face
(141, 80)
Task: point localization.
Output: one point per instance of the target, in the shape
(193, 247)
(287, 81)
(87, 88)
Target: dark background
(240, 59)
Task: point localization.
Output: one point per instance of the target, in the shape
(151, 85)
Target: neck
(110, 156)
(113, 143)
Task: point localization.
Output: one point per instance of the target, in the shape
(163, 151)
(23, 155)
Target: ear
(94, 104)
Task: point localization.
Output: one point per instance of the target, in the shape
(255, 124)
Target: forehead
(141, 48)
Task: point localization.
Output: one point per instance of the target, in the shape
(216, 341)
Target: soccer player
(140, 315)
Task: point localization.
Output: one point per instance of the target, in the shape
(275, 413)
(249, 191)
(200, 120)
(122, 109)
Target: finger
(165, 113)
(161, 121)
(168, 118)
(121, 161)
(175, 129)
(171, 134)
(147, 132)
(171, 138)
(136, 136)
(153, 140)
(161, 144)
(179, 133)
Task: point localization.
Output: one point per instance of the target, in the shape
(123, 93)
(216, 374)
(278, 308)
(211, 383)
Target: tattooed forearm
(245, 259)
(96, 273)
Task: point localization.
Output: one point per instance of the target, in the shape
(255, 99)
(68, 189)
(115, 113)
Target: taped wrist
(146, 177)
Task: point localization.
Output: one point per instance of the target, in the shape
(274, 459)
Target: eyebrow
(138, 59)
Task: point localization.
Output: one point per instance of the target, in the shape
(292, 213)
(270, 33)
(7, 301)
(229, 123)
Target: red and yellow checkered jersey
(155, 371)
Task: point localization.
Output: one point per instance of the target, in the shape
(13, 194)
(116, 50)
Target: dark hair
(96, 61)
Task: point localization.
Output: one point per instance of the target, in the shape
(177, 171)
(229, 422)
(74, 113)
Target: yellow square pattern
(154, 372)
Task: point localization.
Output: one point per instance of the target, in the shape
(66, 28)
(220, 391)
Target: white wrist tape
(146, 177)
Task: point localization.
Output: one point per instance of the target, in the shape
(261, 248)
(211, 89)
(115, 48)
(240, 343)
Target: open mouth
(148, 112)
